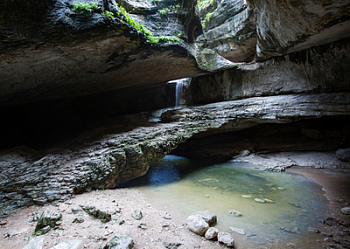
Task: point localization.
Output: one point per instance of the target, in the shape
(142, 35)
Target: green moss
(140, 28)
(85, 8)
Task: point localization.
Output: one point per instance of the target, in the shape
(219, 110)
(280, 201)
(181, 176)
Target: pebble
(246, 196)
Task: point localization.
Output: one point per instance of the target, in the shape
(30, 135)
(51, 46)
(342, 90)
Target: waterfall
(178, 92)
(180, 87)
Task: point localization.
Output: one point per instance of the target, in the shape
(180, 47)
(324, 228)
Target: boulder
(46, 221)
(71, 244)
(208, 217)
(197, 225)
(119, 242)
(35, 243)
(343, 154)
(226, 239)
(211, 233)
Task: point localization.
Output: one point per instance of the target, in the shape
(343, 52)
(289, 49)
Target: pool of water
(183, 187)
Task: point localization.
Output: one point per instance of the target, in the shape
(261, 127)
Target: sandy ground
(160, 226)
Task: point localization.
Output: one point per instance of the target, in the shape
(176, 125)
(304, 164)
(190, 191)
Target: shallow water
(182, 187)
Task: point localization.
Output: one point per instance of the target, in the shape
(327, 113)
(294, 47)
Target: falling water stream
(183, 187)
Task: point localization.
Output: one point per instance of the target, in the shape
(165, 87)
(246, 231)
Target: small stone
(259, 200)
(226, 239)
(280, 188)
(197, 225)
(3, 222)
(208, 217)
(171, 245)
(75, 210)
(78, 220)
(234, 213)
(345, 210)
(142, 226)
(237, 230)
(211, 233)
(246, 196)
(10, 234)
(137, 214)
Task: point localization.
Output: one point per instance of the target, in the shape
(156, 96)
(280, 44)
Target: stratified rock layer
(106, 158)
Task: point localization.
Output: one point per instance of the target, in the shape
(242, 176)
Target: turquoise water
(183, 187)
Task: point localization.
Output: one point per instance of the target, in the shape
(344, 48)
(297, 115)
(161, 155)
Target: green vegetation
(108, 13)
(204, 3)
(140, 28)
(207, 18)
(85, 8)
(156, 1)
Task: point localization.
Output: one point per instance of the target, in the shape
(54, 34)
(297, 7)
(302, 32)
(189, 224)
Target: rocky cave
(90, 97)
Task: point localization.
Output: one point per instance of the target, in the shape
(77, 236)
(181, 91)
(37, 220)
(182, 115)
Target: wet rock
(171, 245)
(101, 215)
(259, 200)
(46, 221)
(78, 220)
(295, 205)
(211, 233)
(237, 230)
(234, 213)
(345, 210)
(197, 225)
(226, 239)
(119, 242)
(137, 214)
(208, 217)
(343, 154)
(35, 243)
(71, 244)
(251, 234)
(287, 230)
